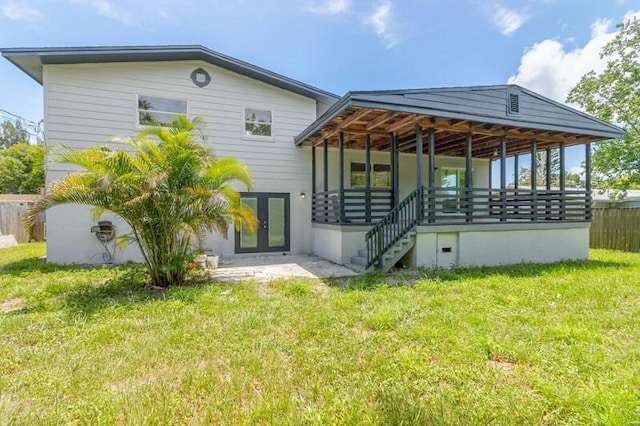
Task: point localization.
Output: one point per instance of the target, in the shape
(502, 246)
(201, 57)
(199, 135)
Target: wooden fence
(11, 223)
(617, 229)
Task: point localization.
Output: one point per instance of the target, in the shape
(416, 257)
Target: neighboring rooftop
(17, 198)
(31, 59)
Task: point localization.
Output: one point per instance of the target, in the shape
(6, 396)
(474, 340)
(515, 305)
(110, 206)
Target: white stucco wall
(475, 245)
(87, 104)
(338, 243)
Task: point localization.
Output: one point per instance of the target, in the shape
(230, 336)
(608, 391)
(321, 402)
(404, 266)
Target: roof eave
(45, 56)
(351, 100)
(330, 114)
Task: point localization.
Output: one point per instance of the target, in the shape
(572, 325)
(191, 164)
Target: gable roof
(484, 104)
(31, 59)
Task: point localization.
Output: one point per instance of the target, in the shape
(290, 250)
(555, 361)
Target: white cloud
(576, 170)
(600, 27)
(330, 7)
(508, 20)
(550, 69)
(108, 9)
(19, 11)
(381, 20)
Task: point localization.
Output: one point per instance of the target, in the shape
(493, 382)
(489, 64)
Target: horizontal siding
(87, 104)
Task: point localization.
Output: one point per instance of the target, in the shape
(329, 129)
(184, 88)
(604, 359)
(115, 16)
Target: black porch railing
(437, 206)
(355, 206)
(456, 205)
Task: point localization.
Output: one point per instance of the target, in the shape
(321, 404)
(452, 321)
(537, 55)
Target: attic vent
(514, 104)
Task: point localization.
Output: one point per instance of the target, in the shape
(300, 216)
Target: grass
(553, 344)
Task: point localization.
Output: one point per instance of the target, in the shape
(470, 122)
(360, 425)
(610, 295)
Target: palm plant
(166, 187)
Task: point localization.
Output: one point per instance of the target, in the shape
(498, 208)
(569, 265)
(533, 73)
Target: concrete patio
(269, 267)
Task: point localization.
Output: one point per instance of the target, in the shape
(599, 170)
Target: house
(630, 199)
(371, 178)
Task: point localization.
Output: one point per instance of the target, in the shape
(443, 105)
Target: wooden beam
(348, 120)
(394, 127)
(515, 132)
(381, 119)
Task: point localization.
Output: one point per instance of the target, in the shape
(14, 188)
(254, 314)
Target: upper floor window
(159, 111)
(257, 122)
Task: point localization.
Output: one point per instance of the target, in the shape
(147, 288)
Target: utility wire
(32, 128)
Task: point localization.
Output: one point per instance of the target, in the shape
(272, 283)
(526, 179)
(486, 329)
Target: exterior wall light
(303, 195)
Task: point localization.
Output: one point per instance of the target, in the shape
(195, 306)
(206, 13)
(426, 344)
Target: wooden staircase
(390, 258)
(393, 236)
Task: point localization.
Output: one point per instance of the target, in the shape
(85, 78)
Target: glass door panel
(249, 240)
(272, 230)
(277, 221)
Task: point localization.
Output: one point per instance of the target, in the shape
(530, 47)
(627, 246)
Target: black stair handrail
(394, 226)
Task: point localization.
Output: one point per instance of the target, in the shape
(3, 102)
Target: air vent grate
(514, 103)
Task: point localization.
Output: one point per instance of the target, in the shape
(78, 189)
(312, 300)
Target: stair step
(359, 260)
(356, 268)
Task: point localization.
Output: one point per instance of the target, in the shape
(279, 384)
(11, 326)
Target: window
(452, 178)
(380, 175)
(257, 122)
(153, 111)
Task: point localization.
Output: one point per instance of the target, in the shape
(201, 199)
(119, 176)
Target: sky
(336, 45)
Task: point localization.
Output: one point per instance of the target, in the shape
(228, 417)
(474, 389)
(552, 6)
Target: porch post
(562, 182)
(325, 177)
(468, 193)
(562, 166)
(490, 173)
(325, 165)
(367, 178)
(313, 183)
(548, 167)
(396, 170)
(587, 179)
(313, 171)
(534, 181)
(516, 171)
(341, 166)
(432, 174)
(548, 177)
(419, 153)
(503, 178)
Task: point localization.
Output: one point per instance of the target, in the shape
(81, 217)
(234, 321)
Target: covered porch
(479, 128)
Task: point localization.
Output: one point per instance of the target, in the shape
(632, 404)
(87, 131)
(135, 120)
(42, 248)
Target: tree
(524, 176)
(573, 180)
(11, 134)
(22, 169)
(166, 187)
(614, 95)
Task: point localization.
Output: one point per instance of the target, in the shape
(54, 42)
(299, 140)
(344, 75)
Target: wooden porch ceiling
(450, 134)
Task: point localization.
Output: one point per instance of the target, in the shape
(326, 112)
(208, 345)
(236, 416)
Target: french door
(272, 231)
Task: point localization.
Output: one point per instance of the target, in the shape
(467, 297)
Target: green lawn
(523, 344)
